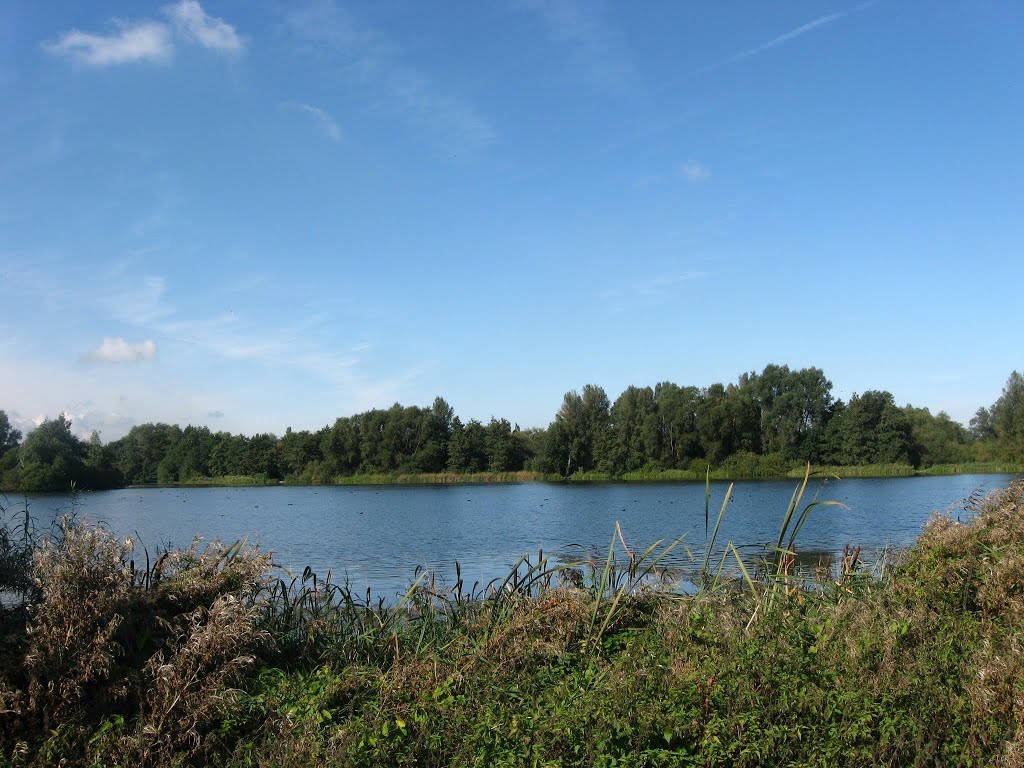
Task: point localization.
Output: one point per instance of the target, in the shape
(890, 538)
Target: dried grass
(107, 645)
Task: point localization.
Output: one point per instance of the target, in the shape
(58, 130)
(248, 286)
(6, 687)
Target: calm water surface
(379, 535)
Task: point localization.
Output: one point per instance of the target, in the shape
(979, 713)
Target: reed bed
(442, 478)
(974, 468)
(228, 481)
(742, 471)
(867, 470)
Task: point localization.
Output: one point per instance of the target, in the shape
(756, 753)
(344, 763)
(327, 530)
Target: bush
(144, 658)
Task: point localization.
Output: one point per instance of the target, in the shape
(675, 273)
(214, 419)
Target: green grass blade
(807, 513)
(793, 505)
(718, 523)
(743, 570)
(707, 501)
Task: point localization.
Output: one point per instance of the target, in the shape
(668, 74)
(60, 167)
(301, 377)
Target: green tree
(228, 454)
(677, 409)
(579, 433)
(793, 405)
(467, 448)
(10, 475)
(728, 421)
(262, 457)
(633, 439)
(870, 429)
(348, 441)
(505, 449)
(936, 439)
(298, 451)
(138, 454)
(9, 436)
(981, 426)
(52, 458)
(1008, 417)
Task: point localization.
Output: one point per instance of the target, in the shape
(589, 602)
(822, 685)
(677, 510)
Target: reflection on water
(378, 536)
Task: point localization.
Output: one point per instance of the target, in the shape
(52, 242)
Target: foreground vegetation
(767, 424)
(206, 657)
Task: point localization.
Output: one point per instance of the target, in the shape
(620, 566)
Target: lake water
(377, 536)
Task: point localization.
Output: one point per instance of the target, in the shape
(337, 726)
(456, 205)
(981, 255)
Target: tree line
(761, 424)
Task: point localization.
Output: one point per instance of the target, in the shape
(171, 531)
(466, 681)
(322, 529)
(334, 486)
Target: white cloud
(117, 350)
(148, 40)
(209, 31)
(327, 123)
(144, 41)
(695, 172)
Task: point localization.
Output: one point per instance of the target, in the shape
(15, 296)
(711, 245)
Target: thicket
(765, 424)
(204, 657)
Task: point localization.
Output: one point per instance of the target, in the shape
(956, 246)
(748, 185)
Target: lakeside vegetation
(207, 656)
(652, 476)
(767, 424)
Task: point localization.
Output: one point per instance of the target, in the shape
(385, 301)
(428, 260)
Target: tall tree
(298, 450)
(52, 458)
(580, 430)
(870, 430)
(633, 431)
(9, 436)
(793, 406)
(728, 421)
(1008, 417)
(981, 426)
(937, 439)
(345, 445)
(139, 453)
(505, 449)
(677, 409)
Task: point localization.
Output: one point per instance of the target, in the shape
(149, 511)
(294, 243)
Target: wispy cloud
(136, 300)
(641, 293)
(695, 172)
(209, 31)
(782, 39)
(116, 350)
(320, 343)
(598, 55)
(143, 41)
(148, 40)
(374, 63)
(327, 124)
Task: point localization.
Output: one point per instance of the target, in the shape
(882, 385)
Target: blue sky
(254, 215)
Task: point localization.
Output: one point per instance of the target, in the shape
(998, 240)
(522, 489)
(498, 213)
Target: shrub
(130, 665)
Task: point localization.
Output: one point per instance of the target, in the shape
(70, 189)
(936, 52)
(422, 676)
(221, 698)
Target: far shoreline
(659, 476)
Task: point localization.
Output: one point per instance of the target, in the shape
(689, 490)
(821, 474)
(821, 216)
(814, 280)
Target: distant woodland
(761, 425)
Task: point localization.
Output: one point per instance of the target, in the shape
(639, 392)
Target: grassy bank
(753, 472)
(226, 481)
(979, 468)
(443, 478)
(204, 657)
(796, 472)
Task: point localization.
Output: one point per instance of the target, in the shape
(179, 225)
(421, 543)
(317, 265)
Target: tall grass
(974, 468)
(18, 539)
(442, 478)
(240, 481)
(867, 470)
